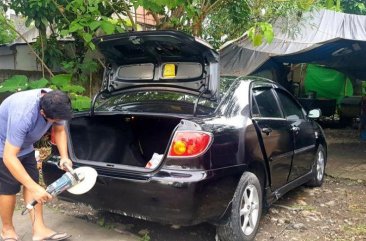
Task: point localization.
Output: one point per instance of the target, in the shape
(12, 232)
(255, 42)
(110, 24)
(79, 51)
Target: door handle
(266, 130)
(295, 129)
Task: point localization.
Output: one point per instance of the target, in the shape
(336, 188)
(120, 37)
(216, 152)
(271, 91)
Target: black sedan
(169, 147)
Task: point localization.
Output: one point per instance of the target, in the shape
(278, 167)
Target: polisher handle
(29, 207)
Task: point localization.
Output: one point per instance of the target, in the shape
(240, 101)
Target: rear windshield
(155, 102)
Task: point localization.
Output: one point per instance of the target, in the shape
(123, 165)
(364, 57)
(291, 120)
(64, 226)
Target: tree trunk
(197, 26)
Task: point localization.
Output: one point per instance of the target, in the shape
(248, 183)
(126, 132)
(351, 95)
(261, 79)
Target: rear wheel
(246, 210)
(319, 168)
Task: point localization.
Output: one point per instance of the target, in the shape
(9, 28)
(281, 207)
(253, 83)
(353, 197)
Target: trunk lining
(120, 139)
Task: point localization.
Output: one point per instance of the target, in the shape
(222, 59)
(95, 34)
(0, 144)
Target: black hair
(56, 105)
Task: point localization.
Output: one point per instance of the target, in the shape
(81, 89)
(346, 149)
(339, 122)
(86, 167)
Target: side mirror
(315, 113)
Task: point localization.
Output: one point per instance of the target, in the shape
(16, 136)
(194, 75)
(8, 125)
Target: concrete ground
(78, 228)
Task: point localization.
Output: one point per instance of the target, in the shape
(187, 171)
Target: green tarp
(327, 83)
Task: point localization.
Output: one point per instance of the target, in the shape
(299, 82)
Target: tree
(346, 6)
(214, 20)
(181, 14)
(6, 34)
(254, 17)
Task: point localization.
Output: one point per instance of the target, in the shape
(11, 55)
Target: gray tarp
(326, 37)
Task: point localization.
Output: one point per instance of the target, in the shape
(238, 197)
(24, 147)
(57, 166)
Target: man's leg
(9, 187)
(39, 228)
(7, 206)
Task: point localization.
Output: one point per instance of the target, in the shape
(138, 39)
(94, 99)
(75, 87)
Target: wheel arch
(323, 142)
(258, 168)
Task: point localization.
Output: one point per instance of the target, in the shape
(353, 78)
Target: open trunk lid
(159, 58)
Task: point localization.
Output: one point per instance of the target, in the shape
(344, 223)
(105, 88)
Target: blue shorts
(11, 186)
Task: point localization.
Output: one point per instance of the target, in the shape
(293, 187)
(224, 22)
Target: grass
(355, 230)
(103, 223)
(304, 207)
(146, 237)
(355, 208)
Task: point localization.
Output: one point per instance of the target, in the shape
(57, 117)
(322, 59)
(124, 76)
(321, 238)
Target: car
(172, 144)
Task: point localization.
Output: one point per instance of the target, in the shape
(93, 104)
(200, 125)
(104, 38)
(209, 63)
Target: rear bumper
(174, 197)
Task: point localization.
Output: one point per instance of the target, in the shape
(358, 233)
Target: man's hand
(61, 142)
(65, 161)
(40, 195)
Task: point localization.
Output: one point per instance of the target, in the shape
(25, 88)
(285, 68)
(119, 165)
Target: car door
(275, 132)
(303, 134)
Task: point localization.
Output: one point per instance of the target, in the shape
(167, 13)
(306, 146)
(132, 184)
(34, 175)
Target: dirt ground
(335, 211)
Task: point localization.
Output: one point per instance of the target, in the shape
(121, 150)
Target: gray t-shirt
(21, 123)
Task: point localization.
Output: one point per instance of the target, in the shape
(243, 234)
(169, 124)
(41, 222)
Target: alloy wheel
(320, 166)
(249, 209)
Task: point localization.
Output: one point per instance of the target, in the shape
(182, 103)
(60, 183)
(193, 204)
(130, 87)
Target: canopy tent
(336, 40)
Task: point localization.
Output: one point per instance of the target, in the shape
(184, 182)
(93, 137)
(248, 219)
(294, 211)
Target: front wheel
(243, 220)
(319, 168)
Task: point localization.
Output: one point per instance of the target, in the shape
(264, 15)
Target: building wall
(143, 18)
(7, 58)
(25, 59)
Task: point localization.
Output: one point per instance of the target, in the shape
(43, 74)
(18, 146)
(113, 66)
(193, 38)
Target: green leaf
(107, 27)
(268, 35)
(87, 37)
(251, 33)
(73, 88)
(361, 6)
(14, 84)
(89, 66)
(61, 80)
(92, 46)
(82, 8)
(258, 39)
(64, 32)
(94, 25)
(41, 83)
(75, 26)
(92, 9)
(81, 103)
(267, 31)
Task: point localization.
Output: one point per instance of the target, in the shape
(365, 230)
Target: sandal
(53, 237)
(8, 239)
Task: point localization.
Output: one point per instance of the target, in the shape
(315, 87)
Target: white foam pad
(89, 176)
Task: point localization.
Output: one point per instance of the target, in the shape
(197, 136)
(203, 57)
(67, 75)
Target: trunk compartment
(120, 139)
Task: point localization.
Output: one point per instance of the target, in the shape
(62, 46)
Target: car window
(290, 108)
(225, 83)
(154, 101)
(266, 103)
(255, 111)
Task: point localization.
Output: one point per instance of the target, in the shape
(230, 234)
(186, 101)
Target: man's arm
(61, 142)
(16, 168)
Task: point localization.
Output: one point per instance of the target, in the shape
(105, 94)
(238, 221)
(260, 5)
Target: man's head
(56, 105)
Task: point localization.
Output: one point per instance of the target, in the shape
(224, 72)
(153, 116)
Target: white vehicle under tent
(332, 41)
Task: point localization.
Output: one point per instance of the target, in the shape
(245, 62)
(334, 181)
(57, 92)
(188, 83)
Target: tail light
(189, 143)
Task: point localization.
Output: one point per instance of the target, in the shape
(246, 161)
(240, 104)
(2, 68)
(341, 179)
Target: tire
(319, 168)
(243, 220)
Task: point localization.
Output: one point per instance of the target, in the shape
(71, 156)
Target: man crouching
(24, 118)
